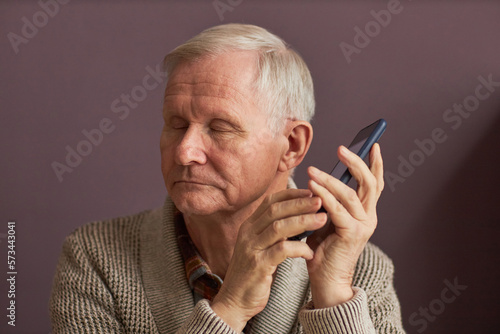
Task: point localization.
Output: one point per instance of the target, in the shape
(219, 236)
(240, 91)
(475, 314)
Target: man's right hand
(261, 246)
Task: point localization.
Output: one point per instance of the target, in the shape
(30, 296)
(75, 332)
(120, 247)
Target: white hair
(283, 79)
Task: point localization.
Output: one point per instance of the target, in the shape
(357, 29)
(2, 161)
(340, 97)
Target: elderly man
(217, 257)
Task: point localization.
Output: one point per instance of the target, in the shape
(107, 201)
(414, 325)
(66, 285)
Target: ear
(299, 135)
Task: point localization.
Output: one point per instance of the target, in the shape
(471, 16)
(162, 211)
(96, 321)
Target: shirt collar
(203, 283)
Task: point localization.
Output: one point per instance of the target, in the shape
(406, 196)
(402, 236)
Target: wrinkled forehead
(206, 83)
(229, 76)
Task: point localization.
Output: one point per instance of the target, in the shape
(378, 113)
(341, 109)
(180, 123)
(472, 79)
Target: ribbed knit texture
(126, 275)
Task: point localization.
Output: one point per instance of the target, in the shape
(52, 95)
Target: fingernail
(344, 149)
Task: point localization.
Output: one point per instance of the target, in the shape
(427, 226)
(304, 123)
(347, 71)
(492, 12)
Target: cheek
(252, 165)
(266, 158)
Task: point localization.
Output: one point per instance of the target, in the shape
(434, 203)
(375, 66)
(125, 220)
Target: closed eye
(177, 123)
(220, 125)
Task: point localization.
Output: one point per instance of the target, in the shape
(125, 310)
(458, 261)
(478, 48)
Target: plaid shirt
(203, 282)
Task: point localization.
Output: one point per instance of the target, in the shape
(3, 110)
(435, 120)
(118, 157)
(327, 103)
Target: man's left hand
(353, 216)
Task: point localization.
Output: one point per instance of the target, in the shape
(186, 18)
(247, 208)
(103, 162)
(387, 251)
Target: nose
(191, 149)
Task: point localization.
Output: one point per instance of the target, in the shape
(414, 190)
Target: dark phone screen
(355, 147)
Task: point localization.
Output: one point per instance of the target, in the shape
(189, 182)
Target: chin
(192, 204)
(191, 210)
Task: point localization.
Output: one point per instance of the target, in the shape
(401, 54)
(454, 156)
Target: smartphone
(360, 145)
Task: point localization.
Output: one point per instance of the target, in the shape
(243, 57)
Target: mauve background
(441, 223)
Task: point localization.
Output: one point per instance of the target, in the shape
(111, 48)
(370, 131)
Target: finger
(283, 195)
(367, 182)
(286, 208)
(377, 166)
(288, 194)
(280, 251)
(338, 212)
(283, 229)
(332, 191)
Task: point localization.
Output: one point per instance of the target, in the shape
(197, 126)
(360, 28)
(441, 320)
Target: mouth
(190, 182)
(195, 181)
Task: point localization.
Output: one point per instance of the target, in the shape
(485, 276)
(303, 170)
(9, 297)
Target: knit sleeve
(373, 309)
(204, 320)
(349, 317)
(377, 279)
(80, 301)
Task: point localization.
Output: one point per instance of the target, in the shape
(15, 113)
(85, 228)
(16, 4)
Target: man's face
(218, 154)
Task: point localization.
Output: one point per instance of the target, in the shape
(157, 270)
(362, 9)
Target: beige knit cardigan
(126, 275)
